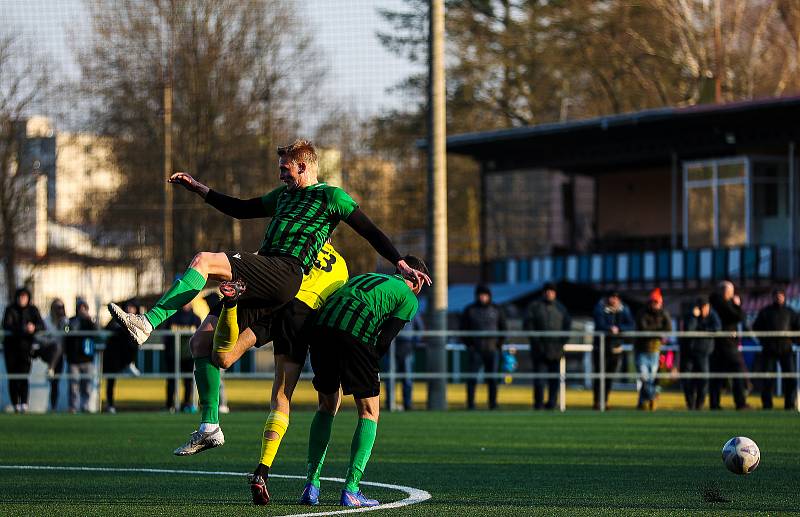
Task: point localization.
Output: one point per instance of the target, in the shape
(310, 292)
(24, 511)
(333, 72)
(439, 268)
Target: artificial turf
(472, 463)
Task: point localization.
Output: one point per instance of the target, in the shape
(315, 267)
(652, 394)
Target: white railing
(583, 345)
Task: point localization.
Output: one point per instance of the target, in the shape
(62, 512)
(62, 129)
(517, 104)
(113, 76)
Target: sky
(359, 70)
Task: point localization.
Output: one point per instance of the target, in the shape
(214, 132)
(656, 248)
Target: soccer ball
(741, 455)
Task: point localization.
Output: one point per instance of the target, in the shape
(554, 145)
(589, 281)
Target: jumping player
(304, 213)
(353, 330)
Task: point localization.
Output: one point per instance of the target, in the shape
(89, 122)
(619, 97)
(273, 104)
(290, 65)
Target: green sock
(207, 377)
(360, 449)
(318, 438)
(182, 292)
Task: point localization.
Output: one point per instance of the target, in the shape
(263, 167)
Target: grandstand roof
(648, 137)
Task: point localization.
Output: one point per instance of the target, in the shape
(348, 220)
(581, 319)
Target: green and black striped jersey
(302, 220)
(362, 305)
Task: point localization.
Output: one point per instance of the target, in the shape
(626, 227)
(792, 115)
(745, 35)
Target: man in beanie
(778, 350)
(647, 350)
(483, 315)
(695, 352)
(547, 314)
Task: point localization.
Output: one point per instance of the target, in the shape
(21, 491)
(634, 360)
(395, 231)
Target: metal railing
(577, 342)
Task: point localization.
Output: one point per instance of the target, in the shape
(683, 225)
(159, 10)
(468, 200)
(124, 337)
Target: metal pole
(792, 241)
(177, 370)
(562, 388)
(602, 371)
(391, 392)
(168, 244)
(437, 175)
(674, 201)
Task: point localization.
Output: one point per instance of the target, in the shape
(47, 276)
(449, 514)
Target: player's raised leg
(318, 438)
(203, 266)
(360, 451)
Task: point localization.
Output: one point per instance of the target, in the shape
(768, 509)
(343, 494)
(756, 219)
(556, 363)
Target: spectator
(53, 354)
(483, 315)
(80, 358)
(120, 354)
(695, 352)
(647, 350)
(547, 314)
(778, 350)
(404, 347)
(726, 356)
(183, 320)
(20, 322)
(612, 317)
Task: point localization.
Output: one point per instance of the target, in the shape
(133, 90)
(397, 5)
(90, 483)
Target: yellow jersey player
(287, 329)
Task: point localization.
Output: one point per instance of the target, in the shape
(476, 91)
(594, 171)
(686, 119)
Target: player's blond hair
(300, 151)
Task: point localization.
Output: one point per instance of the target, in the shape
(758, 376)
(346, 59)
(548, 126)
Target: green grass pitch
(472, 463)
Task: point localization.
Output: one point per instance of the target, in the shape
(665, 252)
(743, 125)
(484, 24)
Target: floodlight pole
(168, 251)
(437, 191)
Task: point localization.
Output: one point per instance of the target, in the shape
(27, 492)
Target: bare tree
(241, 72)
(24, 81)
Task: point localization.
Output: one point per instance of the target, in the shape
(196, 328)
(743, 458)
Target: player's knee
(201, 262)
(224, 361)
(199, 346)
(328, 404)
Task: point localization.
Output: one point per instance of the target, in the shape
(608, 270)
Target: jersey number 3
(325, 263)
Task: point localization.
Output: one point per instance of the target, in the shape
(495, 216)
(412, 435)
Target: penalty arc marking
(414, 495)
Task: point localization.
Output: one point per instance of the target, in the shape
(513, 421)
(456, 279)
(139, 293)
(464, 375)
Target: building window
(716, 203)
(737, 201)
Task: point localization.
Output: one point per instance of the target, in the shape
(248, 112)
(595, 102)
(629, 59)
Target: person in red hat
(653, 318)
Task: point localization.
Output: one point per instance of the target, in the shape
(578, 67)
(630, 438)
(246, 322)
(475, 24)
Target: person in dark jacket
(726, 357)
(612, 317)
(695, 352)
(120, 353)
(20, 322)
(483, 315)
(80, 358)
(546, 352)
(778, 350)
(647, 350)
(185, 319)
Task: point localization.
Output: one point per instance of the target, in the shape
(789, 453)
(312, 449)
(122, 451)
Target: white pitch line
(415, 495)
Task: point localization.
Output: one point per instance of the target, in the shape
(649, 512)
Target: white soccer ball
(741, 455)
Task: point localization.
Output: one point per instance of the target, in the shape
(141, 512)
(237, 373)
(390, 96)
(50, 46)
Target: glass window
(731, 171)
(700, 173)
(700, 220)
(732, 223)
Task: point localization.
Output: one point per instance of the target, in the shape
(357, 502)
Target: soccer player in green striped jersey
(303, 213)
(353, 330)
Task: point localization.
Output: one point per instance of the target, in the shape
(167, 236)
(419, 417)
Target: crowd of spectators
(698, 356)
(68, 348)
(62, 343)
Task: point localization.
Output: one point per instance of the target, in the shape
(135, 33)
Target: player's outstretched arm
(364, 226)
(231, 206)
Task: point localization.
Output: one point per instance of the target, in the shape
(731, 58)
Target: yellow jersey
(328, 274)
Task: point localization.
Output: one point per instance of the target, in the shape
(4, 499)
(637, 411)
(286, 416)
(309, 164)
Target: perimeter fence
(577, 365)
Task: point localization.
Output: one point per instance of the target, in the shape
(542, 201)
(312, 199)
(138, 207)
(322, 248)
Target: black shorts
(339, 359)
(255, 317)
(270, 281)
(290, 326)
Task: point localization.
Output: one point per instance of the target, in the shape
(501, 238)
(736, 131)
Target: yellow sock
(227, 331)
(277, 422)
